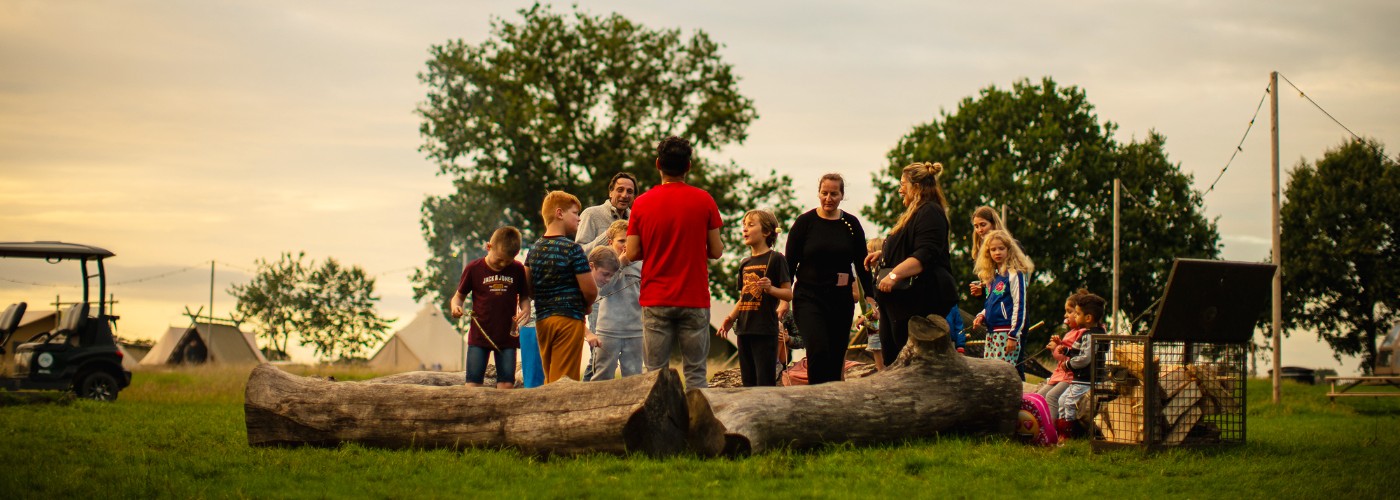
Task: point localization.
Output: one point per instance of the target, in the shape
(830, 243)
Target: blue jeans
(664, 327)
(1069, 400)
(476, 365)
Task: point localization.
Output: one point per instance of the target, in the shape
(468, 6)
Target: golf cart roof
(56, 250)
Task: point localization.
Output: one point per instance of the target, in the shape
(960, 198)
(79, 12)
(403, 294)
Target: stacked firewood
(1186, 394)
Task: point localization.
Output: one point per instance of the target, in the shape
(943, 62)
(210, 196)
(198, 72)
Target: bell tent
(429, 342)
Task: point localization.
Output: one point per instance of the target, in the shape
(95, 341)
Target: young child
(867, 316)
(1060, 379)
(1004, 269)
(500, 290)
(1089, 312)
(564, 288)
(763, 282)
(618, 321)
(603, 263)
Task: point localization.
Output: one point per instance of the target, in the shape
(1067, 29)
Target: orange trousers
(561, 347)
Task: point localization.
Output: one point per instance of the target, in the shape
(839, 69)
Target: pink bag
(1034, 424)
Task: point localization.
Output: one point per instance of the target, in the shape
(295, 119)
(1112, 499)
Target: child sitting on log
(1088, 314)
(500, 290)
(763, 282)
(1060, 379)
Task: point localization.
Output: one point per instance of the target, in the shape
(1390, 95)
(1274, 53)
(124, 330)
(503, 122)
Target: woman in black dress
(917, 250)
(825, 248)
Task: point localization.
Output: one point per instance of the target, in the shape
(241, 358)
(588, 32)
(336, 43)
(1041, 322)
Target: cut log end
(659, 426)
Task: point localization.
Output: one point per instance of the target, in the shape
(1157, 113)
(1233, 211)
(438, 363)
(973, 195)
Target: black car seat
(71, 324)
(9, 322)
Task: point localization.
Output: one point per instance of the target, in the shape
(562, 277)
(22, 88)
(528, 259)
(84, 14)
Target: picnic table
(1342, 385)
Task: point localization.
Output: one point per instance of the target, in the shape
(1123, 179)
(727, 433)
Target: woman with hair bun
(825, 248)
(917, 273)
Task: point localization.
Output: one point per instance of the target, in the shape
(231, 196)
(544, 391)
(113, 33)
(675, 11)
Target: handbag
(901, 284)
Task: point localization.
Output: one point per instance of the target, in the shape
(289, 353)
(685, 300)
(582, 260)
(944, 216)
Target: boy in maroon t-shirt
(500, 290)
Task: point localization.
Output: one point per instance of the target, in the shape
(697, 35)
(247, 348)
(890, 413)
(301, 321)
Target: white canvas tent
(429, 342)
(129, 362)
(204, 343)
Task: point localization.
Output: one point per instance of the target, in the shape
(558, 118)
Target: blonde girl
(1004, 269)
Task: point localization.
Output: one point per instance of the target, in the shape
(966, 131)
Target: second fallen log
(930, 389)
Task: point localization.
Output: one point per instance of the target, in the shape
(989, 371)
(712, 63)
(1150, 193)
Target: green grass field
(181, 434)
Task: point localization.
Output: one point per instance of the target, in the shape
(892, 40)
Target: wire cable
(50, 285)
(158, 276)
(237, 267)
(1239, 147)
(1324, 111)
(1144, 206)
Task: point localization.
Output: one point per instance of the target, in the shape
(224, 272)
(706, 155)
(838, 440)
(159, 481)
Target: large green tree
(1341, 258)
(1039, 151)
(330, 307)
(564, 101)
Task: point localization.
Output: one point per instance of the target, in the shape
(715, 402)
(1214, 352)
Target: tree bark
(645, 414)
(930, 389)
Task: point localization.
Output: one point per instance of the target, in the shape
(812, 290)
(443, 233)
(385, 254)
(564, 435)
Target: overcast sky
(176, 133)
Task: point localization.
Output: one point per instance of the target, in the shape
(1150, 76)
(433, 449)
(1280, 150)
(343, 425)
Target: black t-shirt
(758, 311)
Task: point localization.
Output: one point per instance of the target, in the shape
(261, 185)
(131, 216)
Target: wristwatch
(893, 276)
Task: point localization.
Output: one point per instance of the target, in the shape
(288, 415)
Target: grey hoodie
(618, 313)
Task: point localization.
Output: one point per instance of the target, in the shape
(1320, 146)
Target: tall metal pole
(211, 292)
(1278, 240)
(1117, 185)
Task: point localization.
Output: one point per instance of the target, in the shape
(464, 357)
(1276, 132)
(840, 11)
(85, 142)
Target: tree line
(564, 100)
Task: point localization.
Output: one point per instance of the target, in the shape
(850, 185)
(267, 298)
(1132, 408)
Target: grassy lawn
(181, 434)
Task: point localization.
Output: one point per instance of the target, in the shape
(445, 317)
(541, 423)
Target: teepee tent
(204, 343)
(429, 342)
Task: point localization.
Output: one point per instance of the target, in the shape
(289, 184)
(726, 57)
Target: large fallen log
(645, 414)
(930, 389)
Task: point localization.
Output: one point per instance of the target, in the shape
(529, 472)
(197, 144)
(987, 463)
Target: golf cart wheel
(99, 386)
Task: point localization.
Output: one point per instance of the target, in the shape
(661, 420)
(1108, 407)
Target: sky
(180, 133)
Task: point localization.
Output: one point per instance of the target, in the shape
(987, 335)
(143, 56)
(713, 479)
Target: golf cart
(80, 354)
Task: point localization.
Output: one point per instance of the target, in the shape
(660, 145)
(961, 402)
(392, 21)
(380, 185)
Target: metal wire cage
(1191, 393)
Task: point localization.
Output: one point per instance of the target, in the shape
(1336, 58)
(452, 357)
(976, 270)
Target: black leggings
(758, 360)
(824, 315)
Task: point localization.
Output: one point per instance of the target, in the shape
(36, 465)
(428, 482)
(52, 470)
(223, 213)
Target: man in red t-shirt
(674, 231)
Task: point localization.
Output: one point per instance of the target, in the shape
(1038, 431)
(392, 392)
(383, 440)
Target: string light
(1319, 108)
(50, 285)
(159, 276)
(1141, 204)
(1239, 147)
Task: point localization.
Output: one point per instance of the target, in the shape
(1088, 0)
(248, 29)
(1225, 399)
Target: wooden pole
(1117, 185)
(1278, 241)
